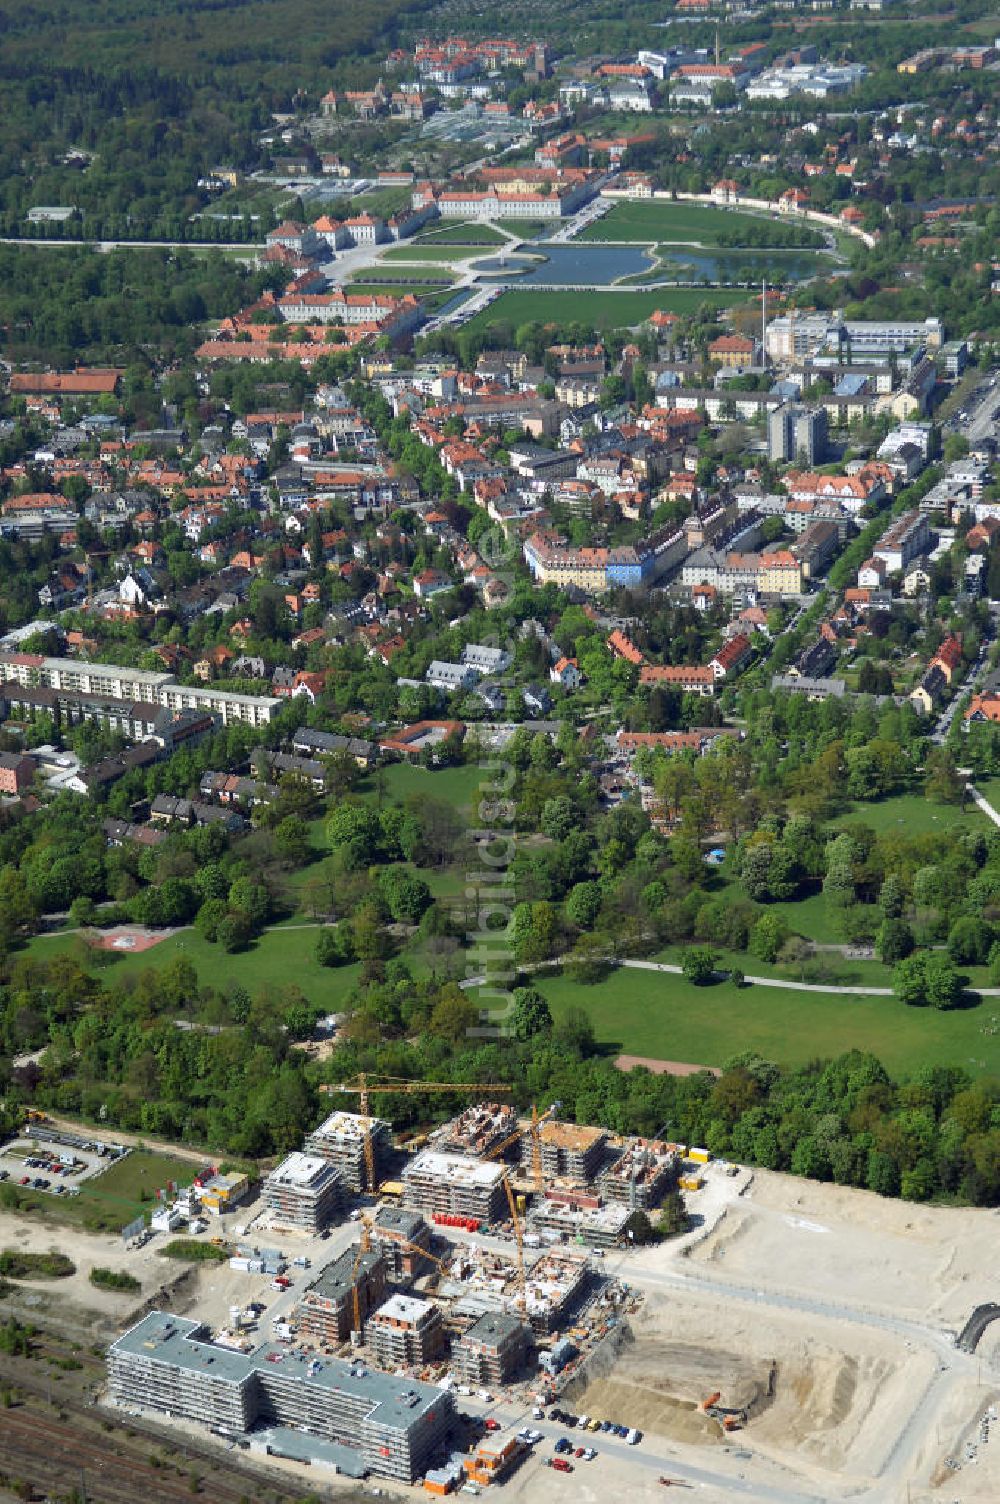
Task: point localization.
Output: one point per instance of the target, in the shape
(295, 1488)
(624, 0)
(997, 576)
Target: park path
(984, 804)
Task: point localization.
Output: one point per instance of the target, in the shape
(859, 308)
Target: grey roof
(396, 1404)
(338, 1278)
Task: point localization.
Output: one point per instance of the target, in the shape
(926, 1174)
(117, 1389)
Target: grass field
(914, 815)
(432, 253)
(281, 955)
(115, 1198)
(599, 310)
(461, 234)
(659, 220)
(668, 1018)
(457, 786)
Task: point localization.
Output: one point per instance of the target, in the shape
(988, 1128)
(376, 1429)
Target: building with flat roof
(453, 1185)
(169, 1364)
(492, 1350)
(326, 1311)
(400, 1235)
(304, 1192)
(340, 1139)
(405, 1332)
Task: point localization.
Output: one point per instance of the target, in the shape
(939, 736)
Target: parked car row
(586, 1423)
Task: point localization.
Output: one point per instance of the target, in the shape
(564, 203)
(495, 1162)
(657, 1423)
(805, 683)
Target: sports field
(659, 220)
(602, 309)
(667, 1018)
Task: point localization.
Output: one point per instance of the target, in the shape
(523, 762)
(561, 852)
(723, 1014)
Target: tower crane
(363, 1085)
(536, 1168)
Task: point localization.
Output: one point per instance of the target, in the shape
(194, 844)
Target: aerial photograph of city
(500, 751)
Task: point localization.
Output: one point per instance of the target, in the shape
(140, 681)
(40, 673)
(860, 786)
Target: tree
(674, 1219)
(894, 941)
(970, 940)
(406, 896)
(927, 979)
(767, 937)
(698, 964)
(234, 932)
(943, 782)
(583, 904)
(291, 841)
(531, 1015)
(558, 817)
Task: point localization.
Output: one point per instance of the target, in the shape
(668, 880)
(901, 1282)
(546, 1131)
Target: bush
(114, 1279)
(698, 964)
(17, 1265)
(194, 1252)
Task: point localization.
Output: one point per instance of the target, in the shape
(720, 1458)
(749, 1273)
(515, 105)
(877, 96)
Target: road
(134, 245)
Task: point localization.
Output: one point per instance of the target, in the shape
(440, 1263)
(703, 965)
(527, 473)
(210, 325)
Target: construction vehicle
(364, 1084)
(675, 1483)
(713, 1399)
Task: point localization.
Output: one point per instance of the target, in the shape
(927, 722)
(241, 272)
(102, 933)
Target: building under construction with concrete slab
(555, 1285)
(569, 1151)
(597, 1226)
(393, 1427)
(340, 1140)
(478, 1130)
(641, 1176)
(400, 1235)
(453, 1185)
(304, 1192)
(325, 1314)
(405, 1333)
(493, 1350)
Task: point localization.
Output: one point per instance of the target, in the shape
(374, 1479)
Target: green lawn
(914, 815)
(281, 955)
(666, 1018)
(115, 1198)
(432, 253)
(602, 309)
(458, 786)
(461, 234)
(659, 220)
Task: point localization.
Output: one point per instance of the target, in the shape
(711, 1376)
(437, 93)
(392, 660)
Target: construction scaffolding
(451, 1185)
(641, 1176)
(304, 1192)
(400, 1235)
(341, 1138)
(478, 1130)
(493, 1350)
(325, 1313)
(568, 1150)
(405, 1333)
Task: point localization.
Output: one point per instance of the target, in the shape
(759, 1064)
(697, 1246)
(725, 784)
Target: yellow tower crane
(536, 1166)
(364, 1084)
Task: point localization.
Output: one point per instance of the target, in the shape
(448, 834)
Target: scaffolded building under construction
(340, 1140)
(569, 1151)
(326, 1311)
(454, 1185)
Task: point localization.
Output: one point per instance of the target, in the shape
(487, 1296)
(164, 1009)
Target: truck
(634, 1437)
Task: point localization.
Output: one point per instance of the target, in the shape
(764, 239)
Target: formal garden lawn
(665, 1017)
(432, 253)
(461, 233)
(658, 220)
(915, 815)
(602, 309)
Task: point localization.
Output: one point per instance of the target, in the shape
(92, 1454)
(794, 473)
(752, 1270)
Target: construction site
(715, 1352)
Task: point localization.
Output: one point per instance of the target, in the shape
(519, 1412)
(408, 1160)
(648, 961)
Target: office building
(393, 1427)
(796, 433)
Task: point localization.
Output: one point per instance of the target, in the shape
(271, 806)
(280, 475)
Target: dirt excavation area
(929, 1264)
(821, 1322)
